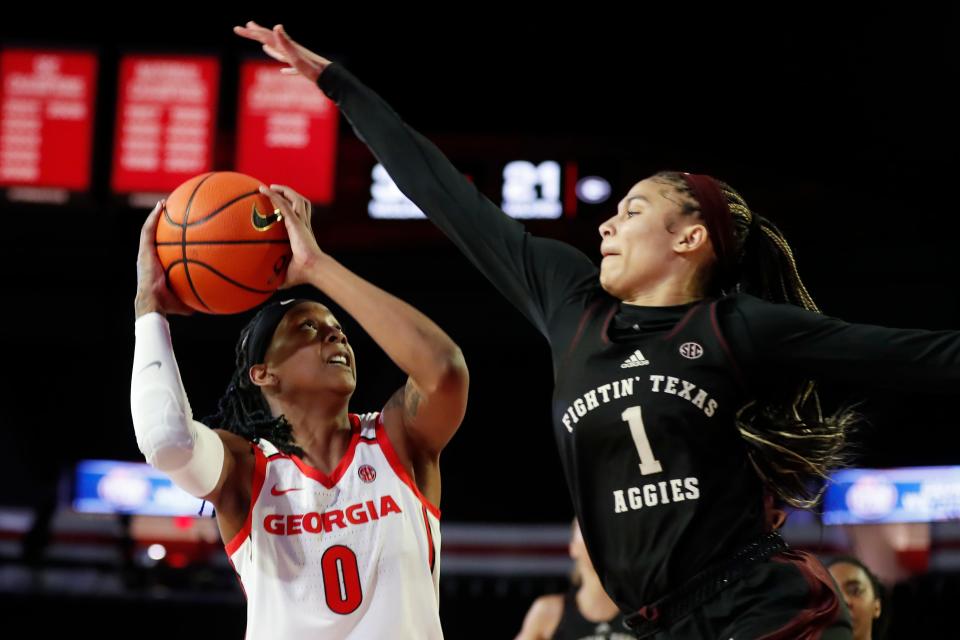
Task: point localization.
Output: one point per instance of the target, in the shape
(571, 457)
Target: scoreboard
(172, 118)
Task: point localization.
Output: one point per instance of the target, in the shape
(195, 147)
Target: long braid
(791, 444)
(243, 410)
(792, 289)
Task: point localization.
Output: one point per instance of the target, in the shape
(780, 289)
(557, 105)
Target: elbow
(450, 373)
(163, 431)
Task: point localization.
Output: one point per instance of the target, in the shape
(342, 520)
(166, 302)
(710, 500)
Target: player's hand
(279, 46)
(297, 212)
(153, 294)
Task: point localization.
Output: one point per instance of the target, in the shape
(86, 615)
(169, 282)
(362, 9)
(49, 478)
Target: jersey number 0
(341, 579)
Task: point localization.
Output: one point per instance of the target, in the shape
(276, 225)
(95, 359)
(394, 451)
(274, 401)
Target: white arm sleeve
(168, 436)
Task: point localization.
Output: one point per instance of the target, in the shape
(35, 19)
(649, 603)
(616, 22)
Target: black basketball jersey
(662, 396)
(658, 473)
(573, 626)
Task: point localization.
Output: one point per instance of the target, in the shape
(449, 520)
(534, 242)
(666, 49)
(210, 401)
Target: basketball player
(682, 378)
(330, 518)
(585, 612)
(863, 594)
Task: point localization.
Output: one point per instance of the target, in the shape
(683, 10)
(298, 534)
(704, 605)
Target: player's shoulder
(741, 302)
(233, 492)
(763, 315)
(368, 418)
(367, 423)
(751, 304)
(235, 443)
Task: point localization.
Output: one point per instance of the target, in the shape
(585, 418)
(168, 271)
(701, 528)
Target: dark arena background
(842, 128)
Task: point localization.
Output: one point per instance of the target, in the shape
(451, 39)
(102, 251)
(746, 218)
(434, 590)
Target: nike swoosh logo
(262, 222)
(278, 492)
(155, 362)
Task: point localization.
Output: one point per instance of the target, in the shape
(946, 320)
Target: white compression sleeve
(168, 436)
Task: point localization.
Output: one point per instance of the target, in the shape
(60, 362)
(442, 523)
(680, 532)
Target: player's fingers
(273, 53)
(148, 232)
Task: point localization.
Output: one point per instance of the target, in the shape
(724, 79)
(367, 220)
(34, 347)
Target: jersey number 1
(341, 579)
(648, 464)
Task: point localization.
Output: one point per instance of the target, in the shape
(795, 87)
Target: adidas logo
(636, 359)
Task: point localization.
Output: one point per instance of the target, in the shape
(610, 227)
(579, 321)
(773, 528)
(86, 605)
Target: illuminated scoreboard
(527, 190)
(167, 125)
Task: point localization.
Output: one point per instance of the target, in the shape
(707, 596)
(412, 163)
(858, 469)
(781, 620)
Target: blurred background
(839, 126)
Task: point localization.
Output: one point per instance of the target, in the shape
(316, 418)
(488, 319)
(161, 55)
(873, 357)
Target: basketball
(222, 245)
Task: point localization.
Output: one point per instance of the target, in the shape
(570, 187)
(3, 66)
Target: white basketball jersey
(355, 554)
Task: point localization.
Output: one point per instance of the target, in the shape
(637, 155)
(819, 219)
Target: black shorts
(790, 596)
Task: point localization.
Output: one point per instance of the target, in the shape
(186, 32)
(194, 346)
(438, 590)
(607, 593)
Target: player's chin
(332, 379)
(343, 382)
(609, 282)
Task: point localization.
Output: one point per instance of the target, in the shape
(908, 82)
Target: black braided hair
(244, 411)
(792, 445)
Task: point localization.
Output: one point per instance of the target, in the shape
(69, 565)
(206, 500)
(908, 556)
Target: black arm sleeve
(537, 275)
(774, 339)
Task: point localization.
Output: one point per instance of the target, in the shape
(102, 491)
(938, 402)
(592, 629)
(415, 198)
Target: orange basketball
(222, 245)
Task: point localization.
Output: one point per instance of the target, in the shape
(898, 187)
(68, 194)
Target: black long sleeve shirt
(645, 396)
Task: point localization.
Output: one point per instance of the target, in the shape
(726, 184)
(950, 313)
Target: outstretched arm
(536, 274)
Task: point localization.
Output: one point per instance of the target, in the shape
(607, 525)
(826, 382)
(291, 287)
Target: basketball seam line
(179, 242)
(223, 208)
(186, 218)
(222, 275)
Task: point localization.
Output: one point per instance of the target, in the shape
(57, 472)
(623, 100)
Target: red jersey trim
(341, 468)
(398, 467)
(725, 346)
(683, 321)
(606, 322)
(586, 315)
(256, 486)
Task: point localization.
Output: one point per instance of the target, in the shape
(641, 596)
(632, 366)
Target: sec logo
(367, 473)
(691, 350)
